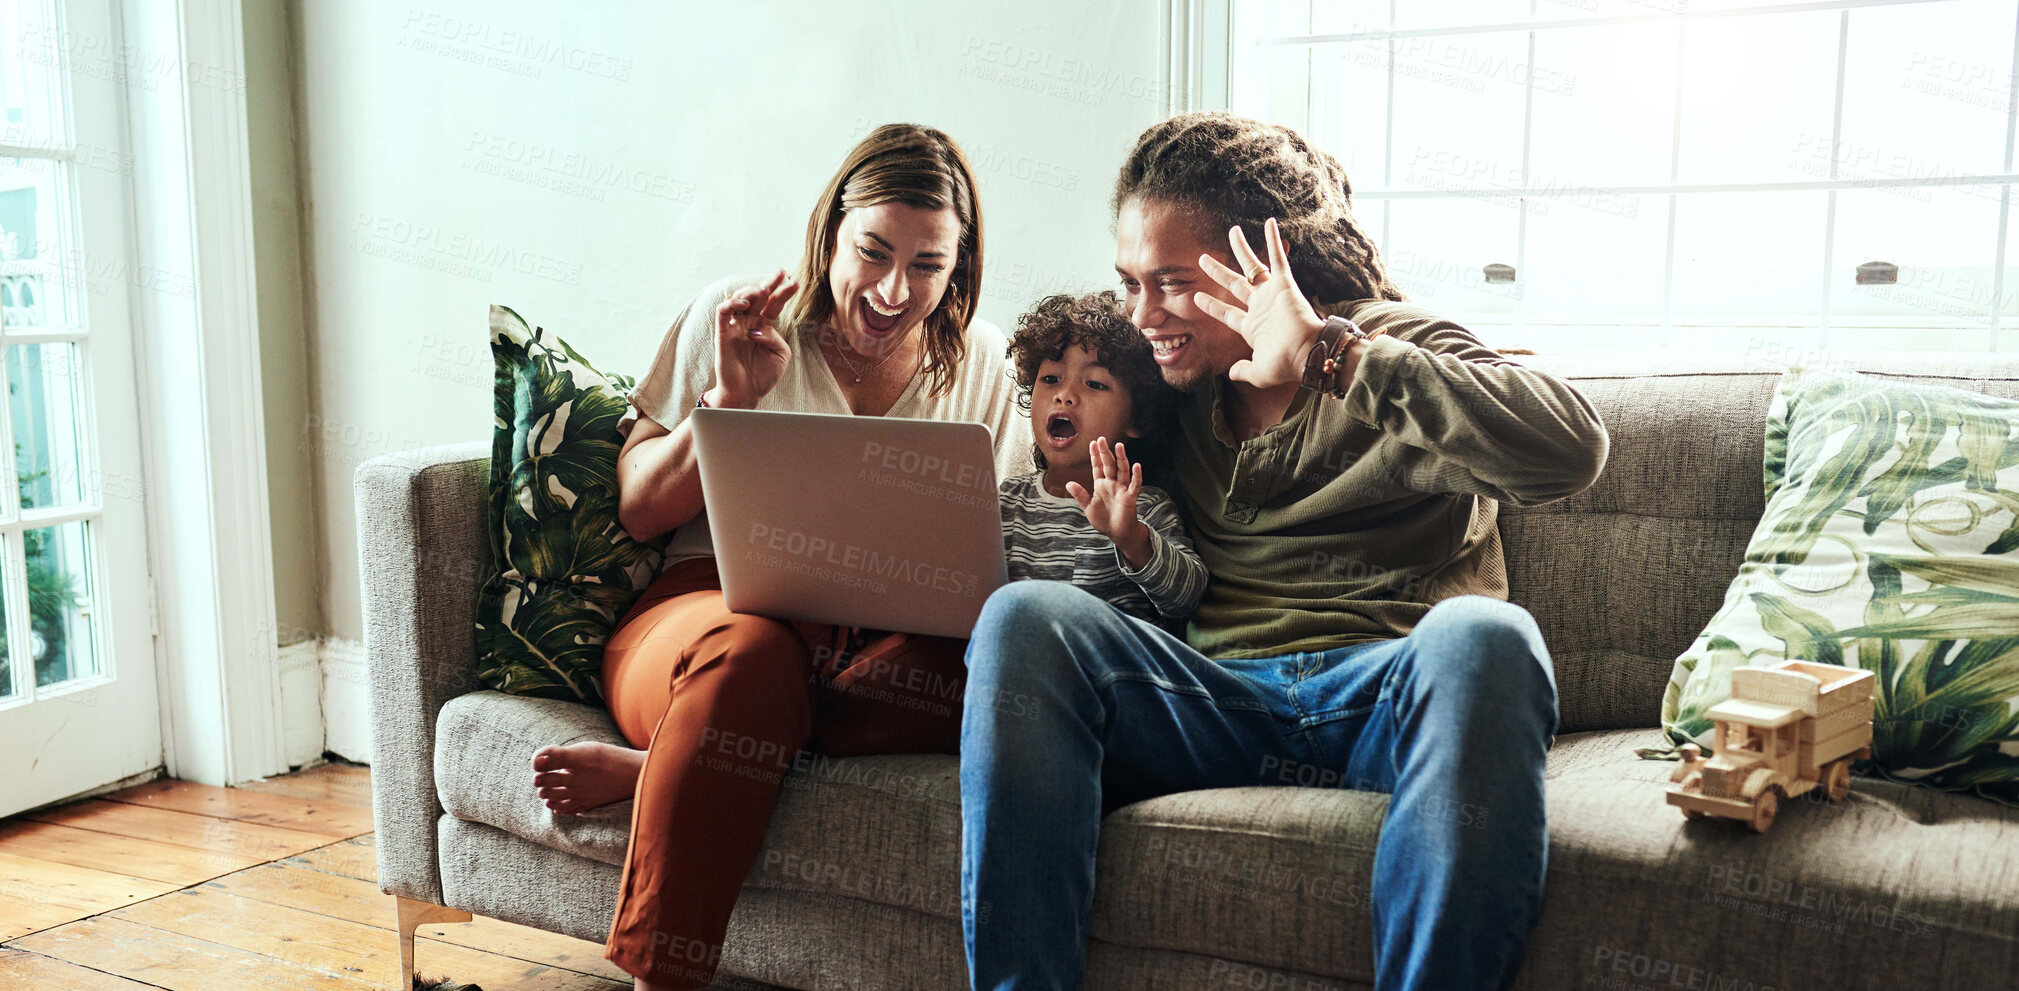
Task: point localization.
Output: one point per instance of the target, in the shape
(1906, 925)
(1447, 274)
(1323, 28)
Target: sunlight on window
(1690, 167)
(1758, 96)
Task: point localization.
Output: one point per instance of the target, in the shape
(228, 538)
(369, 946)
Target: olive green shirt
(1346, 521)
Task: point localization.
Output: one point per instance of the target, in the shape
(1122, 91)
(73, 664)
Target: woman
(721, 703)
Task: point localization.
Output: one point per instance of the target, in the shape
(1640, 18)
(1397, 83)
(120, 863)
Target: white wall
(292, 492)
(437, 142)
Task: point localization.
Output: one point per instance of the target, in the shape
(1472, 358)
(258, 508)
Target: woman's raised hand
(1272, 314)
(750, 354)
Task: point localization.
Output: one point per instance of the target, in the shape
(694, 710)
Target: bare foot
(577, 777)
(641, 984)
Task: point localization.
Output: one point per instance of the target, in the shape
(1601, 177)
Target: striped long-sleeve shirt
(1047, 536)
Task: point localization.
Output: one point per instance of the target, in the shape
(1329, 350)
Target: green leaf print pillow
(566, 570)
(1890, 542)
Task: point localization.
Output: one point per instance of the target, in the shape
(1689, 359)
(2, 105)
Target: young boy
(1088, 377)
(1084, 516)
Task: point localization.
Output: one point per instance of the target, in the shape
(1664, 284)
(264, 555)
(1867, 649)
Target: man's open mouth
(1168, 349)
(1060, 431)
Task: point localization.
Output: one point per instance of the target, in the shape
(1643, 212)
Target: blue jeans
(1074, 709)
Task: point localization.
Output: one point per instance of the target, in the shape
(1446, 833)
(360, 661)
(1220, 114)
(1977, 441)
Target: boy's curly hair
(1096, 321)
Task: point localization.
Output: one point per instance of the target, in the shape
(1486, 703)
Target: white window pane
(1942, 239)
(38, 272)
(61, 603)
(1347, 16)
(32, 51)
(1758, 95)
(1437, 252)
(1603, 105)
(45, 383)
(1925, 89)
(1561, 9)
(1271, 18)
(1275, 86)
(1749, 258)
(1445, 13)
(1270, 82)
(7, 652)
(2007, 295)
(1458, 108)
(1701, 5)
(1349, 109)
(1598, 257)
(2008, 290)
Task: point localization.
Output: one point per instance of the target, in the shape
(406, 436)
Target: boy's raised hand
(1111, 506)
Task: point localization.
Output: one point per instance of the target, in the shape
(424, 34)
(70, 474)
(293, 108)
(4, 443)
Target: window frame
(1201, 60)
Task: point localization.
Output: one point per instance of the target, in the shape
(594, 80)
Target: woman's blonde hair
(917, 166)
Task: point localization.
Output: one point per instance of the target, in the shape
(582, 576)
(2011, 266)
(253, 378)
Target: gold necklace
(841, 351)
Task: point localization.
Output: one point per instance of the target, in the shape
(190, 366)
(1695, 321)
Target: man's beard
(1205, 367)
(1191, 379)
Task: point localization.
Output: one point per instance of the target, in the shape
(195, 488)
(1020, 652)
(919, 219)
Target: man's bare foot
(577, 777)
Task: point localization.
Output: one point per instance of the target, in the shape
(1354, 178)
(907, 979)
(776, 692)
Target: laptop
(880, 522)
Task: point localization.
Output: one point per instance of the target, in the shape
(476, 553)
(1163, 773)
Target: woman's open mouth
(1167, 350)
(875, 318)
(1061, 431)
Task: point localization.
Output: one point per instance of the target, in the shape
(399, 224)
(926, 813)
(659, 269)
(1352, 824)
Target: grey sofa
(1253, 887)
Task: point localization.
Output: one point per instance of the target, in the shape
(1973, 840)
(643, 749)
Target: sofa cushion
(884, 829)
(1890, 541)
(565, 569)
(1681, 488)
(1893, 887)
(1884, 884)
(1876, 886)
(484, 744)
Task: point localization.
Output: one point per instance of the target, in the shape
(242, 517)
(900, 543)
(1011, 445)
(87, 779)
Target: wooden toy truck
(1786, 729)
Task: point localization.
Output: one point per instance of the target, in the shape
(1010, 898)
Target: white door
(78, 705)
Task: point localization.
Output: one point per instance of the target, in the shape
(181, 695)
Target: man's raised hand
(1271, 314)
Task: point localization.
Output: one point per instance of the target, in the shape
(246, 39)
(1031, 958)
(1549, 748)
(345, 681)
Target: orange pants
(723, 704)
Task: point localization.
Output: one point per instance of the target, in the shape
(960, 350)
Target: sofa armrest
(423, 550)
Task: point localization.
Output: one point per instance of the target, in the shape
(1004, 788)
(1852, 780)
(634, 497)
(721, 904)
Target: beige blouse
(983, 392)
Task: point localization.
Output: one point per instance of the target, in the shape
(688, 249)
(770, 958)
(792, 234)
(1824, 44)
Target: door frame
(203, 443)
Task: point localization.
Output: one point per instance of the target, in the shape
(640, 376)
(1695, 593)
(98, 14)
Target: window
(56, 286)
(1674, 173)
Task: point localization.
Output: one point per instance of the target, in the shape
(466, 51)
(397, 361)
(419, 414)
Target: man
(1343, 493)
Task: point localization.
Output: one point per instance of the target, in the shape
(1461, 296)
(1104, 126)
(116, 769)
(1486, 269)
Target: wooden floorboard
(126, 855)
(360, 901)
(185, 887)
(313, 940)
(37, 894)
(181, 963)
(22, 969)
(308, 815)
(357, 857)
(348, 784)
(188, 829)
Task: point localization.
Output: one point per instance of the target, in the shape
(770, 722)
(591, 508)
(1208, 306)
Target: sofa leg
(414, 913)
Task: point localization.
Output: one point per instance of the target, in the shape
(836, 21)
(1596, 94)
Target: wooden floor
(266, 886)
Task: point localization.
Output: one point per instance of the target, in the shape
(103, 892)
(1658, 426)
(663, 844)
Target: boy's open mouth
(1060, 431)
